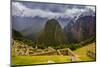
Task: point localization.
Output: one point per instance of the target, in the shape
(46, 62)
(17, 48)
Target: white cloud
(74, 11)
(19, 9)
(91, 7)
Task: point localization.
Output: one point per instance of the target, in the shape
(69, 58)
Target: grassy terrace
(82, 52)
(24, 60)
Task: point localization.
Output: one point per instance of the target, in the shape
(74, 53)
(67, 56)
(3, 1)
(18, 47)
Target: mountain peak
(52, 34)
(52, 20)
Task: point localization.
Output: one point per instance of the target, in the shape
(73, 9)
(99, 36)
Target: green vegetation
(74, 46)
(24, 60)
(16, 34)
(82, 52)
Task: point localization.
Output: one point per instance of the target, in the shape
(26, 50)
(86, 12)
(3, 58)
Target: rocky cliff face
(81, 29)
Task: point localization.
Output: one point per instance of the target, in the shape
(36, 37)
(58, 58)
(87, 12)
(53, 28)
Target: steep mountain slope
(16, 34)
(84, 27)
(52, 34)
(81, 29)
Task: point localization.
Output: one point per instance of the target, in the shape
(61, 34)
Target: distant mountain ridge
(74, 28)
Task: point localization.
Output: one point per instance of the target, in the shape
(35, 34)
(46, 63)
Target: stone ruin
(21, 49)
(25, 50)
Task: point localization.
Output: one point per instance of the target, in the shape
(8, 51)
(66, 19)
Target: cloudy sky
(30, 17)
(47, 10)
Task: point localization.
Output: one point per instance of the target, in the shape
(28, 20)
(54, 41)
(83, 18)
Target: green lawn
(24, 60)
(82, 52)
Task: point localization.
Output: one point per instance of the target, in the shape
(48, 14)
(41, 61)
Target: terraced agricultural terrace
(24, 54)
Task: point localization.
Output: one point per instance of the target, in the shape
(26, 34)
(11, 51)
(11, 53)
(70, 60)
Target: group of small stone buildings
(21, 49)
(25, 50)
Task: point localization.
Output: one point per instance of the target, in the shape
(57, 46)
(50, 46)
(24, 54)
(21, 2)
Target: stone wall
(25, 50)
